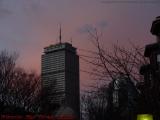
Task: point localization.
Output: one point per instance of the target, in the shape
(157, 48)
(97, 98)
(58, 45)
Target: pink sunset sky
(27, 26)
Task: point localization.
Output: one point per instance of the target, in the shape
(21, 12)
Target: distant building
(122, 98)
(60, 73)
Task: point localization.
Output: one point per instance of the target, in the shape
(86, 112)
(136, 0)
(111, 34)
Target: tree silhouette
(94, 105)
(108, 65)
(18, 88)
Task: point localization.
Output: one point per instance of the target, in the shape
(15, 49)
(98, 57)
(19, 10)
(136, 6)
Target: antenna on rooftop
(60, 34)
(71, 40)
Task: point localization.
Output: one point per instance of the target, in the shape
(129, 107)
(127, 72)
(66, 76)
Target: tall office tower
(60, 74)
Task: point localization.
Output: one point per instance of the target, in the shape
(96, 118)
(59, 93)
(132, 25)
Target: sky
(27, 26)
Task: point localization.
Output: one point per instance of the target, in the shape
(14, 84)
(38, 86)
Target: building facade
(60, 75)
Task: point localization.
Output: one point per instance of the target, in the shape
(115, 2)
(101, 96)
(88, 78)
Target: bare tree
(94, 105)
(108, 65)
(24, 88)
(119, 60)
(18, 88)
(7, 65)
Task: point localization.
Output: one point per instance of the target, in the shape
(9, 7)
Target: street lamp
(153, 50)
(151, 73)
(155, 29)
(144, 117)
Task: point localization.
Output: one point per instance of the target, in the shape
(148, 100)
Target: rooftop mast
(60, 35)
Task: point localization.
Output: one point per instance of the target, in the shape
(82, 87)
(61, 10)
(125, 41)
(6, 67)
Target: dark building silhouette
(60, 73)
(122, 98)
(150, 88)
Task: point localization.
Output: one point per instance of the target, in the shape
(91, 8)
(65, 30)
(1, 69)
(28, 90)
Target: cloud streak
(89, 27)
(4, 12)
(102, 24)
(130, 1)
(85, 28)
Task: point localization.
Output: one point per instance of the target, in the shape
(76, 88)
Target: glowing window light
(144, 117)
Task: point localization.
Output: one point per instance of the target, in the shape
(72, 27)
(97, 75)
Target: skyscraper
(60, 73)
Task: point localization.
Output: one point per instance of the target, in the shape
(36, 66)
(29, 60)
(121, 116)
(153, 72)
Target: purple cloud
(102, 24)
(88, 27)
(85, 28)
